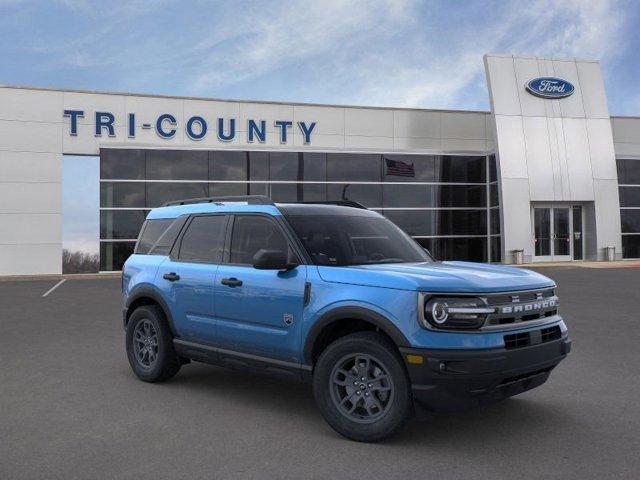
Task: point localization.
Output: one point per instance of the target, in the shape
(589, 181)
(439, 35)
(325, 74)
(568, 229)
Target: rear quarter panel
(140, 271)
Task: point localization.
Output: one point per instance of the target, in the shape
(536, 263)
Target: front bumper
(455, 379)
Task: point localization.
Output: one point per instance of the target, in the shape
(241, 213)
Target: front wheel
(361, 387)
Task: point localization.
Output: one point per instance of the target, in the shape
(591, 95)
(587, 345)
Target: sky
(392, 53)
(399, 53)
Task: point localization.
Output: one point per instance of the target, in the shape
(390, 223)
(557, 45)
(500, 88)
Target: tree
(80, 262)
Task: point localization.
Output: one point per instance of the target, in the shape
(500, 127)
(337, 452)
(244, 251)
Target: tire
(152, 356)
(383, 403)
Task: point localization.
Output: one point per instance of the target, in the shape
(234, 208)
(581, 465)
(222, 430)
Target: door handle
(231, 282)
(172, 277)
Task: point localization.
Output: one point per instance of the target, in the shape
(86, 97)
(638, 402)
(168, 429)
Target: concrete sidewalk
(68, 276)
(585, 264)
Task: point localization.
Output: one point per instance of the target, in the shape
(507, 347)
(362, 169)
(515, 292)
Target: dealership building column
(30, 182)
(553, 153)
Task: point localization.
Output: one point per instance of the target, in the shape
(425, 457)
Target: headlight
(455, 312)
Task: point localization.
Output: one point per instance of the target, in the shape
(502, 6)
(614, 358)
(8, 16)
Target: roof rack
(342, 203)
(258, 200)
(250, 199)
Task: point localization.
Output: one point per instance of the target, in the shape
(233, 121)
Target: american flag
(397, 168)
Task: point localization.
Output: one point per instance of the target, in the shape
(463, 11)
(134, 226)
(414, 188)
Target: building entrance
(558, 233)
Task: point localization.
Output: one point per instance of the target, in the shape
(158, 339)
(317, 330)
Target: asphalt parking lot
(71, 408)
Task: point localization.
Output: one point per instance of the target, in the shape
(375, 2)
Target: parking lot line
(54, 287)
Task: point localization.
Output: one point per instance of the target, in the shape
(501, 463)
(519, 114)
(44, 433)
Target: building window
(439, 222)
(157, 194)
(354, 167)
(121, 224)
(228, 165)
(114, 254)
(122, 195)
(628, 171)
(448, 203)
(629, 191)
(126, 164)
(177, 165)
(474, 249)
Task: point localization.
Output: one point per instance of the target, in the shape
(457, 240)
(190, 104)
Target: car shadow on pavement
(247, 389)
(245, 393)
(515, 417)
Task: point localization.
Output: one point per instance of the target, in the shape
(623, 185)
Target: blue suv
(339, 296)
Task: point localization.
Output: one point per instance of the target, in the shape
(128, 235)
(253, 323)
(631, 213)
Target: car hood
(465, 277)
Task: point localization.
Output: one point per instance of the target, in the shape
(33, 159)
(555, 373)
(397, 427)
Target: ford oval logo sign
(549, 87)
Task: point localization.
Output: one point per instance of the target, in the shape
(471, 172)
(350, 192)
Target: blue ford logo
(550, 87)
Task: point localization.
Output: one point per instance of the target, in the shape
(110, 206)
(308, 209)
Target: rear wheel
(361, 387)
(150, 345)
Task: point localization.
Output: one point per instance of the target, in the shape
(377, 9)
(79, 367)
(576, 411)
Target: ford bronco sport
(337, 295)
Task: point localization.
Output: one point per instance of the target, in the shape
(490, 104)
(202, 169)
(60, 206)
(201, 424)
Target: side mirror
(272, 260)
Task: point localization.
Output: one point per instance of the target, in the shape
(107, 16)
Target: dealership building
(547, 174)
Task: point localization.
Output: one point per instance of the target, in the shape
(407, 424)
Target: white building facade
(546, 172)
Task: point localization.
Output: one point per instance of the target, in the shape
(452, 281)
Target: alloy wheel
(145, 343)
(361, 388)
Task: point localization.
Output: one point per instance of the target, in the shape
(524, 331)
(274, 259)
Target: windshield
(339, 240)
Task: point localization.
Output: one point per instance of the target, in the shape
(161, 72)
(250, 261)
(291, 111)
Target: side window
(167, 239)
(204, 239)
(151, 231)
(252, 233)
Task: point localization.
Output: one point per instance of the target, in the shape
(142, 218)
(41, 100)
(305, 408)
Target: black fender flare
(148, 292)
(352, 313)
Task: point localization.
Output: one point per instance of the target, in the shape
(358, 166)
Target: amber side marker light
(415, 359)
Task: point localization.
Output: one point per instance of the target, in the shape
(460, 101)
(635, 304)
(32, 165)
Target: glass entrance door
(561, 234)
(542, 233)
(557, 232)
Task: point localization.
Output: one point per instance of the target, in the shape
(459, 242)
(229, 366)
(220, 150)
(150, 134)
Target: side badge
(288, 319)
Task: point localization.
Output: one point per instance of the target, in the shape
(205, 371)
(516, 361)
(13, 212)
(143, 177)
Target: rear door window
(203, 241)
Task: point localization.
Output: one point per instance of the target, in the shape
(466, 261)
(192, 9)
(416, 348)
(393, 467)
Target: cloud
(572, 29)
(294, 33)
(379, 55)
(393, 53)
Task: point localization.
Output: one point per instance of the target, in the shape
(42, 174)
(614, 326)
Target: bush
(80, 262)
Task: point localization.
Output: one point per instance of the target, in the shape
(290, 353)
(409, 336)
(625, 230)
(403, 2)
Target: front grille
(520, 307)
(551, 333)
(517, 340)
(525, 339)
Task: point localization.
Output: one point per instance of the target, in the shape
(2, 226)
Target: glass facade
(629, 189)
(450, 204)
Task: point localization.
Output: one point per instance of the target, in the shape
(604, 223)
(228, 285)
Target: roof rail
(342, 203)
(250, 199)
